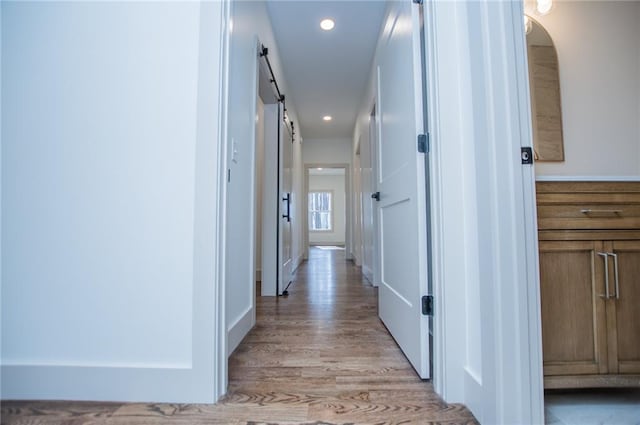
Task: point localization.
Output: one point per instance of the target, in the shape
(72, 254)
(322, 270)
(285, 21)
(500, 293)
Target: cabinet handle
(601, 212)
(605, 256)
(615, 271)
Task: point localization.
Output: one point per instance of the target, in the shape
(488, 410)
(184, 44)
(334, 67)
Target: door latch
(526, 155)
(427, 305)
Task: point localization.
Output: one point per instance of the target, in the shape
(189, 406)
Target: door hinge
(427, 305)
(417, 1)
(526, 155)
(423, 143)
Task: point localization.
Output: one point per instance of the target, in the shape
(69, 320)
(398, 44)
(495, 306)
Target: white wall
(598, 45)
(334, 184)
(250, 24)
(327, 151)
(109, 251)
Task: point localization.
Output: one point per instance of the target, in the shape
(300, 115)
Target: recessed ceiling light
(327, 24)
(327, 118)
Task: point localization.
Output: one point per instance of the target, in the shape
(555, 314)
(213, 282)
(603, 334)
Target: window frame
(330, 211)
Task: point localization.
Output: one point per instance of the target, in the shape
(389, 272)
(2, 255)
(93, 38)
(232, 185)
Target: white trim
(531, 327)
(297, 261)
(330, 210)
(106, 384)
(443, 22)
(240, 328)
(221, 366)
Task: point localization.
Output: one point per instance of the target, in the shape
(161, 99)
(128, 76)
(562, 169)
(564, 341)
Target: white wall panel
(104, 236)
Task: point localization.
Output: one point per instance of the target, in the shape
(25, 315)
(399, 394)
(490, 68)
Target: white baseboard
(104, 383)
(297, 261)
(239, 329)
(326, 243)
(368, 274)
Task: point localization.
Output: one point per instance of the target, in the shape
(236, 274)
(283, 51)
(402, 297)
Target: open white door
(366, 182)
(400, 180)
(285, 234)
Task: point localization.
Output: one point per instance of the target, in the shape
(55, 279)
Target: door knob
(376, 196)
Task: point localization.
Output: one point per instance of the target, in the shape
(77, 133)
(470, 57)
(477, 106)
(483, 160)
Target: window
(320, 211)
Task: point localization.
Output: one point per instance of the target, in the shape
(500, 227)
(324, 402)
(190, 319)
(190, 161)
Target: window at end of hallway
(320, 211)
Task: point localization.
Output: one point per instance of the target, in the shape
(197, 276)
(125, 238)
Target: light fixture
(327, 118)
(528, 25)
(327, 24)
(544, 6)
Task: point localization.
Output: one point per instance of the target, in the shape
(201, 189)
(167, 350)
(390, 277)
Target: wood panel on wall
(545, 103)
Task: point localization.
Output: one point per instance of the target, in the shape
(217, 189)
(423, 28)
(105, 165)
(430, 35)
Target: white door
(400, 181)
(286, 204)
(367, 203)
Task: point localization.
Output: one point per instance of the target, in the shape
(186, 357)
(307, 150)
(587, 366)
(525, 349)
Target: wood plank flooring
(318, 356)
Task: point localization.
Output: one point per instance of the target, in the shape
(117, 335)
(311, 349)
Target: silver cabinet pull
(605, 256)
(615, 271)
(601, 212)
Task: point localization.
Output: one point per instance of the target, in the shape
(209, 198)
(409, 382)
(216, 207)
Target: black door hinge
(417, 1)
(423, 143)
(526, 155)
(427, 305)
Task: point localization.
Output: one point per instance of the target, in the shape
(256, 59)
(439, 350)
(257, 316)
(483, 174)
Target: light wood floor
(318, 356)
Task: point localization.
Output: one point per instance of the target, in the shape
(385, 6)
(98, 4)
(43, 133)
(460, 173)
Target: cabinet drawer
(588, 216)
(588, 205)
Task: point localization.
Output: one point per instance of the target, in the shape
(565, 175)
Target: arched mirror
(544, 80)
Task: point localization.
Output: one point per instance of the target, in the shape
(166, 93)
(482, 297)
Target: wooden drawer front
(589, 216)
(588, 205)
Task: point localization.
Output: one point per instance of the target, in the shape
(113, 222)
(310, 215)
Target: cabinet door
(623, 309)
(573, 307)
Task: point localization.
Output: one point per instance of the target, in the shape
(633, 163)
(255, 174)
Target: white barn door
(400, 180)
(286, 211)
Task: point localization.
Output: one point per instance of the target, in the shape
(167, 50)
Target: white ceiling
(326, 71)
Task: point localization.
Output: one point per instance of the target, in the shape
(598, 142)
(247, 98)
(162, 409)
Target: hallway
(322, 354)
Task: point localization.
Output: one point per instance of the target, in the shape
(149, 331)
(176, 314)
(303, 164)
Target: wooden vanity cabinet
(623, 313)
(589, 247)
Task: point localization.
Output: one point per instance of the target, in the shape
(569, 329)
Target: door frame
(514, 327)
(372, 136)
(305, 201)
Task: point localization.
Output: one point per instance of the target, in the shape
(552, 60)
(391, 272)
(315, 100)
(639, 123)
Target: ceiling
(326, 71)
